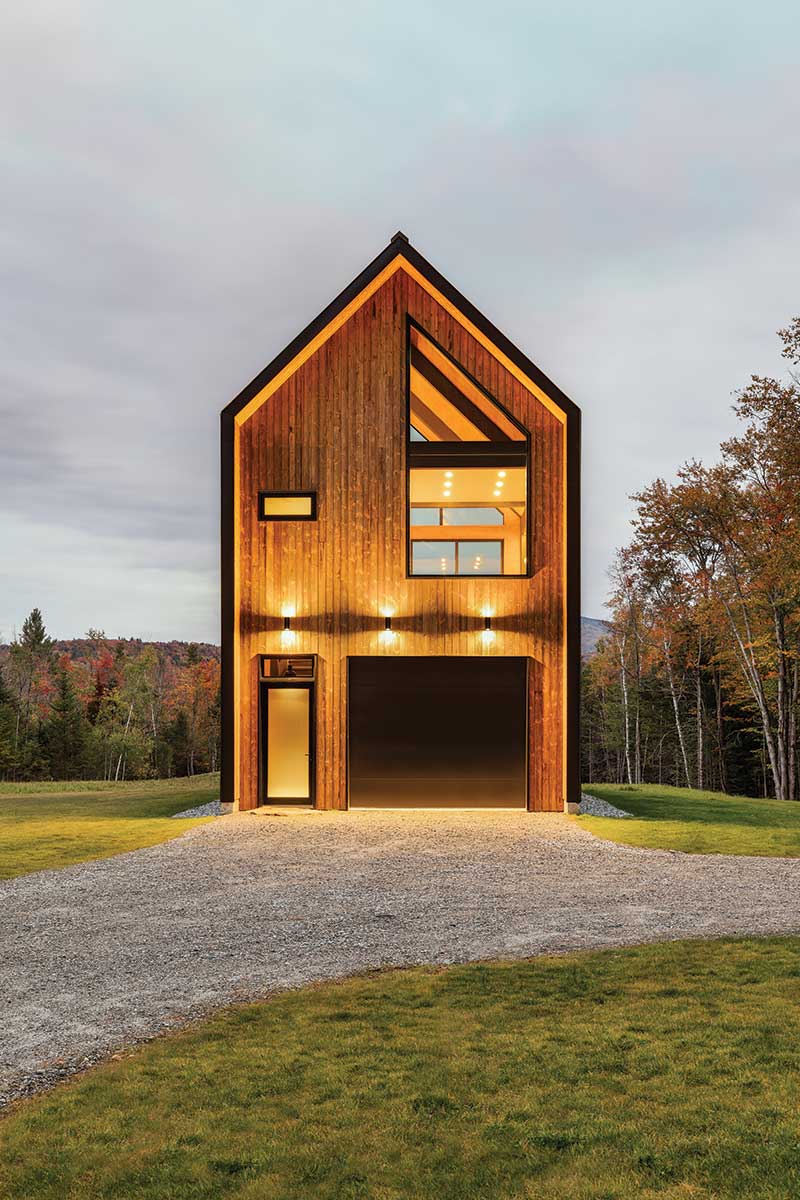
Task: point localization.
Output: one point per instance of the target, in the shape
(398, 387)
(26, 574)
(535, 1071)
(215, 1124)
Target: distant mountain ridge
(592, 630)
(82, 649)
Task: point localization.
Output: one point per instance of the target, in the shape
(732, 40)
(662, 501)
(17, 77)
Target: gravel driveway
(100, 955)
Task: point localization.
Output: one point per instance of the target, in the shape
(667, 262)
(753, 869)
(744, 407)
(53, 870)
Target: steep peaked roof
(398, 253)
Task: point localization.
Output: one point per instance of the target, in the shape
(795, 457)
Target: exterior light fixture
(288, 635)
(387, 634)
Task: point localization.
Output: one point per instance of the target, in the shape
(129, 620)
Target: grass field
(661, 1071)
(668, 818)
(56, 824)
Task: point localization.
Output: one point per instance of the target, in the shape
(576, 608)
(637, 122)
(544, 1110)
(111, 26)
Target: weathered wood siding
(337, 427)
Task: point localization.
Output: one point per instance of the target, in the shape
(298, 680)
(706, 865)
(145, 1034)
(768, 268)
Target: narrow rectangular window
(287, 506)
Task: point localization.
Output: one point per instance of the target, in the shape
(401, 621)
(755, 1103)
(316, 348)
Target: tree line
(698, 681)
(120, 711)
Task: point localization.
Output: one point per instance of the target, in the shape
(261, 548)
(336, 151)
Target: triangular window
(447, 405)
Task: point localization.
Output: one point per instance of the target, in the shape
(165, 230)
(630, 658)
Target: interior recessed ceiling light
(448, 474)
(501, 474)
(497, 492)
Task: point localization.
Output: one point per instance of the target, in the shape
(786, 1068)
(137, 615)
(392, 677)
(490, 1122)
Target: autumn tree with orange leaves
(708, 592)
(115, 710)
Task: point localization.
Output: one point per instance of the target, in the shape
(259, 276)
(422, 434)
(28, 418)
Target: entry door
(286, 744)
(437, 732)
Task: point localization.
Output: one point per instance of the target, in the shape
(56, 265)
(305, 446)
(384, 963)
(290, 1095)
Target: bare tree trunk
(605, 738)
(699, 705)
(625, 707)
(753, 676)
(676, 711)
(723, 766)
(792, 727)
(637, 724)
(781, 789)
(122, 748)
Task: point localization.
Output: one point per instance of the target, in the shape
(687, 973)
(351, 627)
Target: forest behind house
(698, 681)
(106, 708)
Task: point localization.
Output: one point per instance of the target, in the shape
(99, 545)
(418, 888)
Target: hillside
(592, 631)
(83, 649)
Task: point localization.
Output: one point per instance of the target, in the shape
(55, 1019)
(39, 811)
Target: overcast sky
(184, 186)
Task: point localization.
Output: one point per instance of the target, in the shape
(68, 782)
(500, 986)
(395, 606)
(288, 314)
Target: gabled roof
(399, 253)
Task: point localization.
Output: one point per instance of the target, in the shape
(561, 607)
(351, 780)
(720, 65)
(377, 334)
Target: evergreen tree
(64, 734)
(178, 739)
(30, 657)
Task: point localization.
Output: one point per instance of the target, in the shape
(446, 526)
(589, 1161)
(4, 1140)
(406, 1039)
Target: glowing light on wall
(387, 634)
(288, 635)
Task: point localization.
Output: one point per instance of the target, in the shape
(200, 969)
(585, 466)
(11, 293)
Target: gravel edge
(213, 809)
(593, 806)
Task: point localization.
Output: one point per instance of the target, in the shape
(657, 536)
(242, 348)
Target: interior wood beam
(454, 396)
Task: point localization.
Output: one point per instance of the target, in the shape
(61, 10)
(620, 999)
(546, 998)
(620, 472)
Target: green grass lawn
(659, 1071)
(45, 825)
(669, 818)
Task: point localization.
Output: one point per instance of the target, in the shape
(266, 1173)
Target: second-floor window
(468, 472)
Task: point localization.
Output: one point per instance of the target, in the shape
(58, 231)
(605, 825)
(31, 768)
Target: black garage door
(437, 732)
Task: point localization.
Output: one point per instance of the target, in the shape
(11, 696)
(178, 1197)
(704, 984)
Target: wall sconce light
(288, 635)
(387, 634)
(487, 633)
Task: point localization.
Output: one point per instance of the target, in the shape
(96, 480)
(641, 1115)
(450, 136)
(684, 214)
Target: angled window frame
(291, 495)
(489, 454)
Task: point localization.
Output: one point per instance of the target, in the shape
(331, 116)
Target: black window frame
(457, 543)
(455, 454)
(262, 496)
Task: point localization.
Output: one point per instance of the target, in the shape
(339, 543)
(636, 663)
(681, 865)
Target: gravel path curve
(100, 955)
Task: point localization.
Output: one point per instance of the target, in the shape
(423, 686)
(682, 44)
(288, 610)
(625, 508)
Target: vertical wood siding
(337, 427)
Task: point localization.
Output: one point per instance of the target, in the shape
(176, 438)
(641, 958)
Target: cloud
(185, 188)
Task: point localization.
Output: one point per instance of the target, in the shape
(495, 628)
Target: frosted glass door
(288, 771)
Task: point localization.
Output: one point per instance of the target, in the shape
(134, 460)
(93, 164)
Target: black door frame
(265, 686)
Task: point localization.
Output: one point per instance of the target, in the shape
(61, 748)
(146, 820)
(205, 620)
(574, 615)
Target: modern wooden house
(400, 562)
